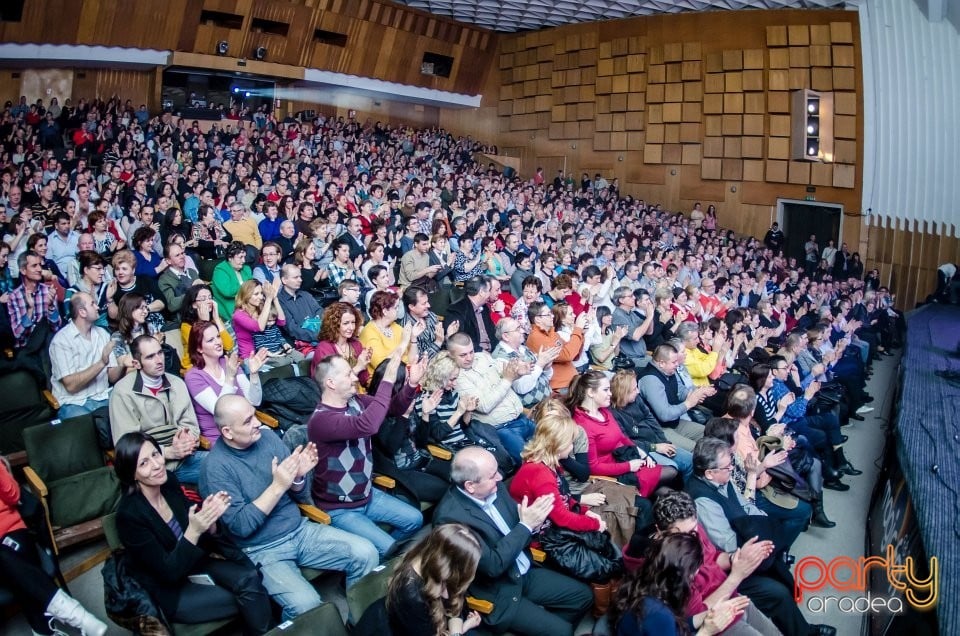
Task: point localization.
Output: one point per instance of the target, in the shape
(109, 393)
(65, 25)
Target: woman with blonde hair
(448, 419)
(540, 474)
(438, 405)
(253, 304)
(642, 427)
(427, 592)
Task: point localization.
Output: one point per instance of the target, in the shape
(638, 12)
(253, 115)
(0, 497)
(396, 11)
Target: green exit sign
(809, 198)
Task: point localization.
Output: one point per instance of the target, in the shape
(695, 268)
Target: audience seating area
(260, 260)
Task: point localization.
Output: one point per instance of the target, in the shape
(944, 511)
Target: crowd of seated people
(580, 336)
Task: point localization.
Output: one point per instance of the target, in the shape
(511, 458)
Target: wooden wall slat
(385, 40)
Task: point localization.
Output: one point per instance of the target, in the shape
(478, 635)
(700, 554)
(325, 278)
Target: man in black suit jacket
(472, 313)
(526, 599)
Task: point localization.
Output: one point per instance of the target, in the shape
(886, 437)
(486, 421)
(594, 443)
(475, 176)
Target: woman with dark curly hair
(652, 601)
(337, 337)
(427, 591)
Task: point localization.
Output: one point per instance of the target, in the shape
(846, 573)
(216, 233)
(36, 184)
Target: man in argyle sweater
(342, 427)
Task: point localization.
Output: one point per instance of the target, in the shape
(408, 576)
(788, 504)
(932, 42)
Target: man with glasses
(544, 337)
(638, 324)
(722, 510)
(711, 304)
(242, 228)
(532, 387)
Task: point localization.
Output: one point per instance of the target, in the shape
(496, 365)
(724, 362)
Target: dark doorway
(801, 219)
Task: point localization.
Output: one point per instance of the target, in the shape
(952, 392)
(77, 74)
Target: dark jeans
(237, 590)
(792, 522)
(24, 577)
(775, 599)
(551, 604)
(822, 430)
(514, 435)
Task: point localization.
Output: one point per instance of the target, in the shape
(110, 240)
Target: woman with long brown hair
(426, 593)
(653, 599)
(611, 453)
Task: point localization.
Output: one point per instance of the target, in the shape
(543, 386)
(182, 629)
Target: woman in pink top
(589, 401)
(254, 301)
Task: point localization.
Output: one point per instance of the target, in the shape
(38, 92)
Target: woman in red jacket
(540, 475)
(610, 452)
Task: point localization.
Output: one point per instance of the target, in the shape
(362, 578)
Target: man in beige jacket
(158, 404)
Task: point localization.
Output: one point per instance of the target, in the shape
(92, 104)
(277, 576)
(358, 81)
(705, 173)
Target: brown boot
(601, 598)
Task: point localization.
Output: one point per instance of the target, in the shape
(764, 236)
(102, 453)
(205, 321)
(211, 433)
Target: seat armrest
(603, 477)
(383, 481)
(439, 452)
(314, 514)
(52, 401)
(479, 605)
(204, 443)
(268, 420)
(538, 555)
(35, 482)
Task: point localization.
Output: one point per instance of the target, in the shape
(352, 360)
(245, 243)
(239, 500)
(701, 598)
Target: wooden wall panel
(907, 258)
(713, 116)
(383, 40)
(137, 86)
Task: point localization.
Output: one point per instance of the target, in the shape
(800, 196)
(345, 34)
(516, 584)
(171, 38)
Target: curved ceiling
(523, 15)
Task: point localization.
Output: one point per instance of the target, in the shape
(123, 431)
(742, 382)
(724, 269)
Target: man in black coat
(526, 599)
(473, 314)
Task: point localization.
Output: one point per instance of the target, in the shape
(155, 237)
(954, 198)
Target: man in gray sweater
(265, 482)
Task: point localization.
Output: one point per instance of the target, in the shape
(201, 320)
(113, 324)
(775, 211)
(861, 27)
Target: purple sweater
(342, 478)
(205, 391)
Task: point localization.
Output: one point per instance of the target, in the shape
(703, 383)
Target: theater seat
(67, 472)
(323, 619)
(24, 404)
(180, 629)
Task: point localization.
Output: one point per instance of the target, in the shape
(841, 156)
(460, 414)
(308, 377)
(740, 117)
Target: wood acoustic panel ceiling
(527, 15)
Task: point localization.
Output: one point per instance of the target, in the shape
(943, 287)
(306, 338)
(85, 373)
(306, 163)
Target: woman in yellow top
(383, 334)
(700, 363)
(198, 304)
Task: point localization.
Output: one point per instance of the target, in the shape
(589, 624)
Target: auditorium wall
(908, 256)
(367, 38)
(683, 108)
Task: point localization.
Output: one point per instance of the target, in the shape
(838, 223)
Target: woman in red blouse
(589, 400)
